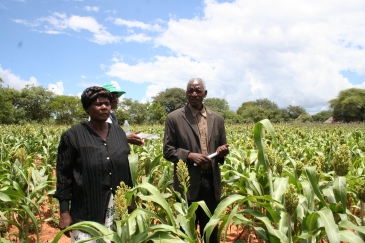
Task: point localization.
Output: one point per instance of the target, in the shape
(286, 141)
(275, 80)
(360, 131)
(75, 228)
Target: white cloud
(289, 52)
(14, 81)
(101, 36)
(137, 24)
(60, 23)
(137, 38)
(56, 88)
(91, 8)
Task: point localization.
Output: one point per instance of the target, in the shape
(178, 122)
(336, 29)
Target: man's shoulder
(215, 114)
(177, 111)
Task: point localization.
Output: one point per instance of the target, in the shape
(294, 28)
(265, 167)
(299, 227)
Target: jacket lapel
(210, 123)
(189, 118)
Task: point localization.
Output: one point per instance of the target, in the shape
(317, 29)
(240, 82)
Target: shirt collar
(203, 111)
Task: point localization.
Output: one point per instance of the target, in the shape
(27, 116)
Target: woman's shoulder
(115, 127)
(75, 129)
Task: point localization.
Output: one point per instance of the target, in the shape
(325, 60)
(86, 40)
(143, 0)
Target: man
(132, 138)
(191, 134)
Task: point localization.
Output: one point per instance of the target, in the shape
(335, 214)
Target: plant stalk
(362, 216)
(269, 176)
(289, 229)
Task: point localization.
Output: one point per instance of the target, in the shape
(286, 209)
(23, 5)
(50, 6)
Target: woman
(92, 161)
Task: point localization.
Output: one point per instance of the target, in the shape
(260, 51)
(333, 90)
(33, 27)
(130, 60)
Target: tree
(230, 117)
(244, 106)
(7, 108)
(266, 104)
(171, 99)
(34, 100)
(349, 105)
(305, 118)
(9, 101)
(296, 111)
(67, 109)
(157, 113)
(133, 111)
(216, 104)
(322, 116)
(285, 115)
(254, 111)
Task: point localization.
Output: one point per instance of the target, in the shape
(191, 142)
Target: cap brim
(120, 93)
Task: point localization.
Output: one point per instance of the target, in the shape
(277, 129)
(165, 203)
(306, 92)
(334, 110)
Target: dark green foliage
(349, 106)
(217, 105)
(254, 111)
(322, 116)
(35, 102)
(67, 109)
(157, 113)
(171, 99)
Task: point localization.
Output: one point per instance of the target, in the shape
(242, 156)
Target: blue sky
(292, 52)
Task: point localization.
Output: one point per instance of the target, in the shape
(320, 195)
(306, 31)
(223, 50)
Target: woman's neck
(97, 126)
(100, 128)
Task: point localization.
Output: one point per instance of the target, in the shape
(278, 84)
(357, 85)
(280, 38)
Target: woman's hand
(65, 221)
(133, 138)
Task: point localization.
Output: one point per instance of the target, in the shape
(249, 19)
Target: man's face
(195, 94)
(115, 100)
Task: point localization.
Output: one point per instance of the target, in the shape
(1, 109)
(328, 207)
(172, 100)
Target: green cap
(112, 89)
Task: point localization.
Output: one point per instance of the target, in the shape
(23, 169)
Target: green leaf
(283, 224)
(133, 166)
(340, 191)
(313, 179)
(32, 217)
(157, 198)
(155, 162)
(4, 197)
(274, 234)
(348, 236)
(258, 137)
(330, 225)
(280, 185)
(345, 224)
(95, 229)
(310, 222)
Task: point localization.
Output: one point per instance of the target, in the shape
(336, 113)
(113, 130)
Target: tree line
(39, 105)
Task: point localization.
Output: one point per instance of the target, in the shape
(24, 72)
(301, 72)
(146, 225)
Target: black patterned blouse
(89, 169)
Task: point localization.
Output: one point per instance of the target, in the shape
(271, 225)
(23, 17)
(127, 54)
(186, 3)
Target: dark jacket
(181, 137)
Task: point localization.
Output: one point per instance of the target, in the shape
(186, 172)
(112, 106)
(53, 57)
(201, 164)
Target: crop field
(281, 183)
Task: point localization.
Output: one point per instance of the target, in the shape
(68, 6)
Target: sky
(299, 53)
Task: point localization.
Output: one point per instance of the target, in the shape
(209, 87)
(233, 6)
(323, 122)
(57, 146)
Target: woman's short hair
(92, 93)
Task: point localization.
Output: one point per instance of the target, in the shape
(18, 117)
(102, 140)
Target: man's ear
(206, 92)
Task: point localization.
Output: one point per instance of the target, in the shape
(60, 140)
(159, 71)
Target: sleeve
(65, 157)
(171, 150)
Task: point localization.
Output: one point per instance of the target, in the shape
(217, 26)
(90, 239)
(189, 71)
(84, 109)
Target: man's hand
(133, 138)
(223, 150)
(65, 221)
(201, 160)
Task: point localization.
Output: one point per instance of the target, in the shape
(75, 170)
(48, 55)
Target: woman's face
(99, 110)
